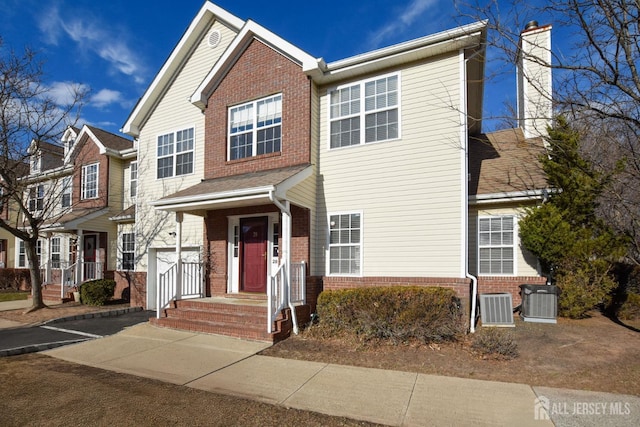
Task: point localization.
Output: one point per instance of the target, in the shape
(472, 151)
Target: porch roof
(505, 163)
(74, 219)
(127, 215)
(248, 189)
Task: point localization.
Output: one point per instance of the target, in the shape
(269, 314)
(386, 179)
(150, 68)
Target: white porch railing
(93, 270)
(68, 278)
(282, 293)
(191, 285)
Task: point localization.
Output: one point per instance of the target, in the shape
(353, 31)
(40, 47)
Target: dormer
(69, 139)
(43, 156)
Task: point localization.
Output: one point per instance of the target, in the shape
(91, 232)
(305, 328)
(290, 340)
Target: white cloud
(399, 23)
(65, 93)
(106, 97)
(90, 36)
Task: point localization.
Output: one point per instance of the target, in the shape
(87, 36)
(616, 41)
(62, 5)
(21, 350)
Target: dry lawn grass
(590, 354)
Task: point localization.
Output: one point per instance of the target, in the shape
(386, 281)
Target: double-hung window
(36, 198)
(22, 254)
(66, 191)
(255, 128)
(90, 181)
(364, 112)
(175, 153)
(496, 245)
(133, 179)
(128, 251)
(55, 252)
(345, 244)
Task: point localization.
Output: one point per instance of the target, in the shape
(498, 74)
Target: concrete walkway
(231, 366)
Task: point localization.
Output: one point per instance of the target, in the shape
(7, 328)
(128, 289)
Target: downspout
(465, 142)
(286, 252)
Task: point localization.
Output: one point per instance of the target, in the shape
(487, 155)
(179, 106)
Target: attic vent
(496, 309)
(214, 38)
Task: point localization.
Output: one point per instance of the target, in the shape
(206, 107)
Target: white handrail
(192, 285)
(275, 295)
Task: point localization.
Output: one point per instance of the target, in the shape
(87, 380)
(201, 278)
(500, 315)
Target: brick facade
(136, 283)
(89, 153)
(500, 284)
(259, 72)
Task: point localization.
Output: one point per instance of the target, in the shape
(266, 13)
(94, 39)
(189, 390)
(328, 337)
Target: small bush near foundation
(630, 309)
(581, 292)
(494, 342)
(97, 292)
(396, 314)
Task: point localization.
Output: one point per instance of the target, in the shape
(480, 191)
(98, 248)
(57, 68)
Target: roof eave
(207, 14)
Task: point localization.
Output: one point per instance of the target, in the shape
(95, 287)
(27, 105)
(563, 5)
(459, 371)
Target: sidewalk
(231, 366)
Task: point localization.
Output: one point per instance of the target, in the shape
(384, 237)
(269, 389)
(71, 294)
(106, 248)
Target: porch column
(79, 259)
(286, 247)
(179, 218)
(47, 265)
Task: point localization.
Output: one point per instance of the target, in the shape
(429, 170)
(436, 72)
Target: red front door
(253, 254)
(89, 252)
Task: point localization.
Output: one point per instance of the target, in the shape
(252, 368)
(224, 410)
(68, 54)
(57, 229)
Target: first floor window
(55, 252)
(128, 251)
(90, 181)
(345, 244)
(22, 255)
(496, 245)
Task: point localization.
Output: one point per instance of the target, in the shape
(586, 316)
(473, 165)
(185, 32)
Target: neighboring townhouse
(267, 175)
(8, 214)
(77, 187)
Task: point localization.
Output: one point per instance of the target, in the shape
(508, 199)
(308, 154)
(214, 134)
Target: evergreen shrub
(397, 314)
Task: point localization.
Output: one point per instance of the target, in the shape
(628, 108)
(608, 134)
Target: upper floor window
(345, 244)
(66, 191)
(36, 198)
(496, 245)
(175, 153)
(90, 181)
(255, 128)
(364, 112)
(133, 179)
(36, 162)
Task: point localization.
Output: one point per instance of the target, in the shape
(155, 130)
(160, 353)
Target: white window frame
(128, 247)
(361, 114)
(330, 245)
(251, 125)
(87, 191)
(36, 198)
(56, 250)
(36, 162)
(175, 147)
(133, 179)
(490, 245)
(67, 190)
(21, 256)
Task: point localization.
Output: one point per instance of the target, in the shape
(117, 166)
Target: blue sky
(114, 48)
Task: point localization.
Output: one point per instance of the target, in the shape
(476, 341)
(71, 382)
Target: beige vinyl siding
(408, 190)
(116, 185)
(525, 263)
(174, 112)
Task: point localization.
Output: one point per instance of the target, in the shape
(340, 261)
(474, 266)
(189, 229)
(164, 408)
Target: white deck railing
(282, 293)
(191, 286)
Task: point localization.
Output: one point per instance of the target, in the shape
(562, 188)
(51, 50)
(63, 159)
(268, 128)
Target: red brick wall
(499, 284)
(89, 153)
(461, 286)
(258, 73)
(137, 284)
(216, 234)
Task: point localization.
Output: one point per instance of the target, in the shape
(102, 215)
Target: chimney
(534, 80)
